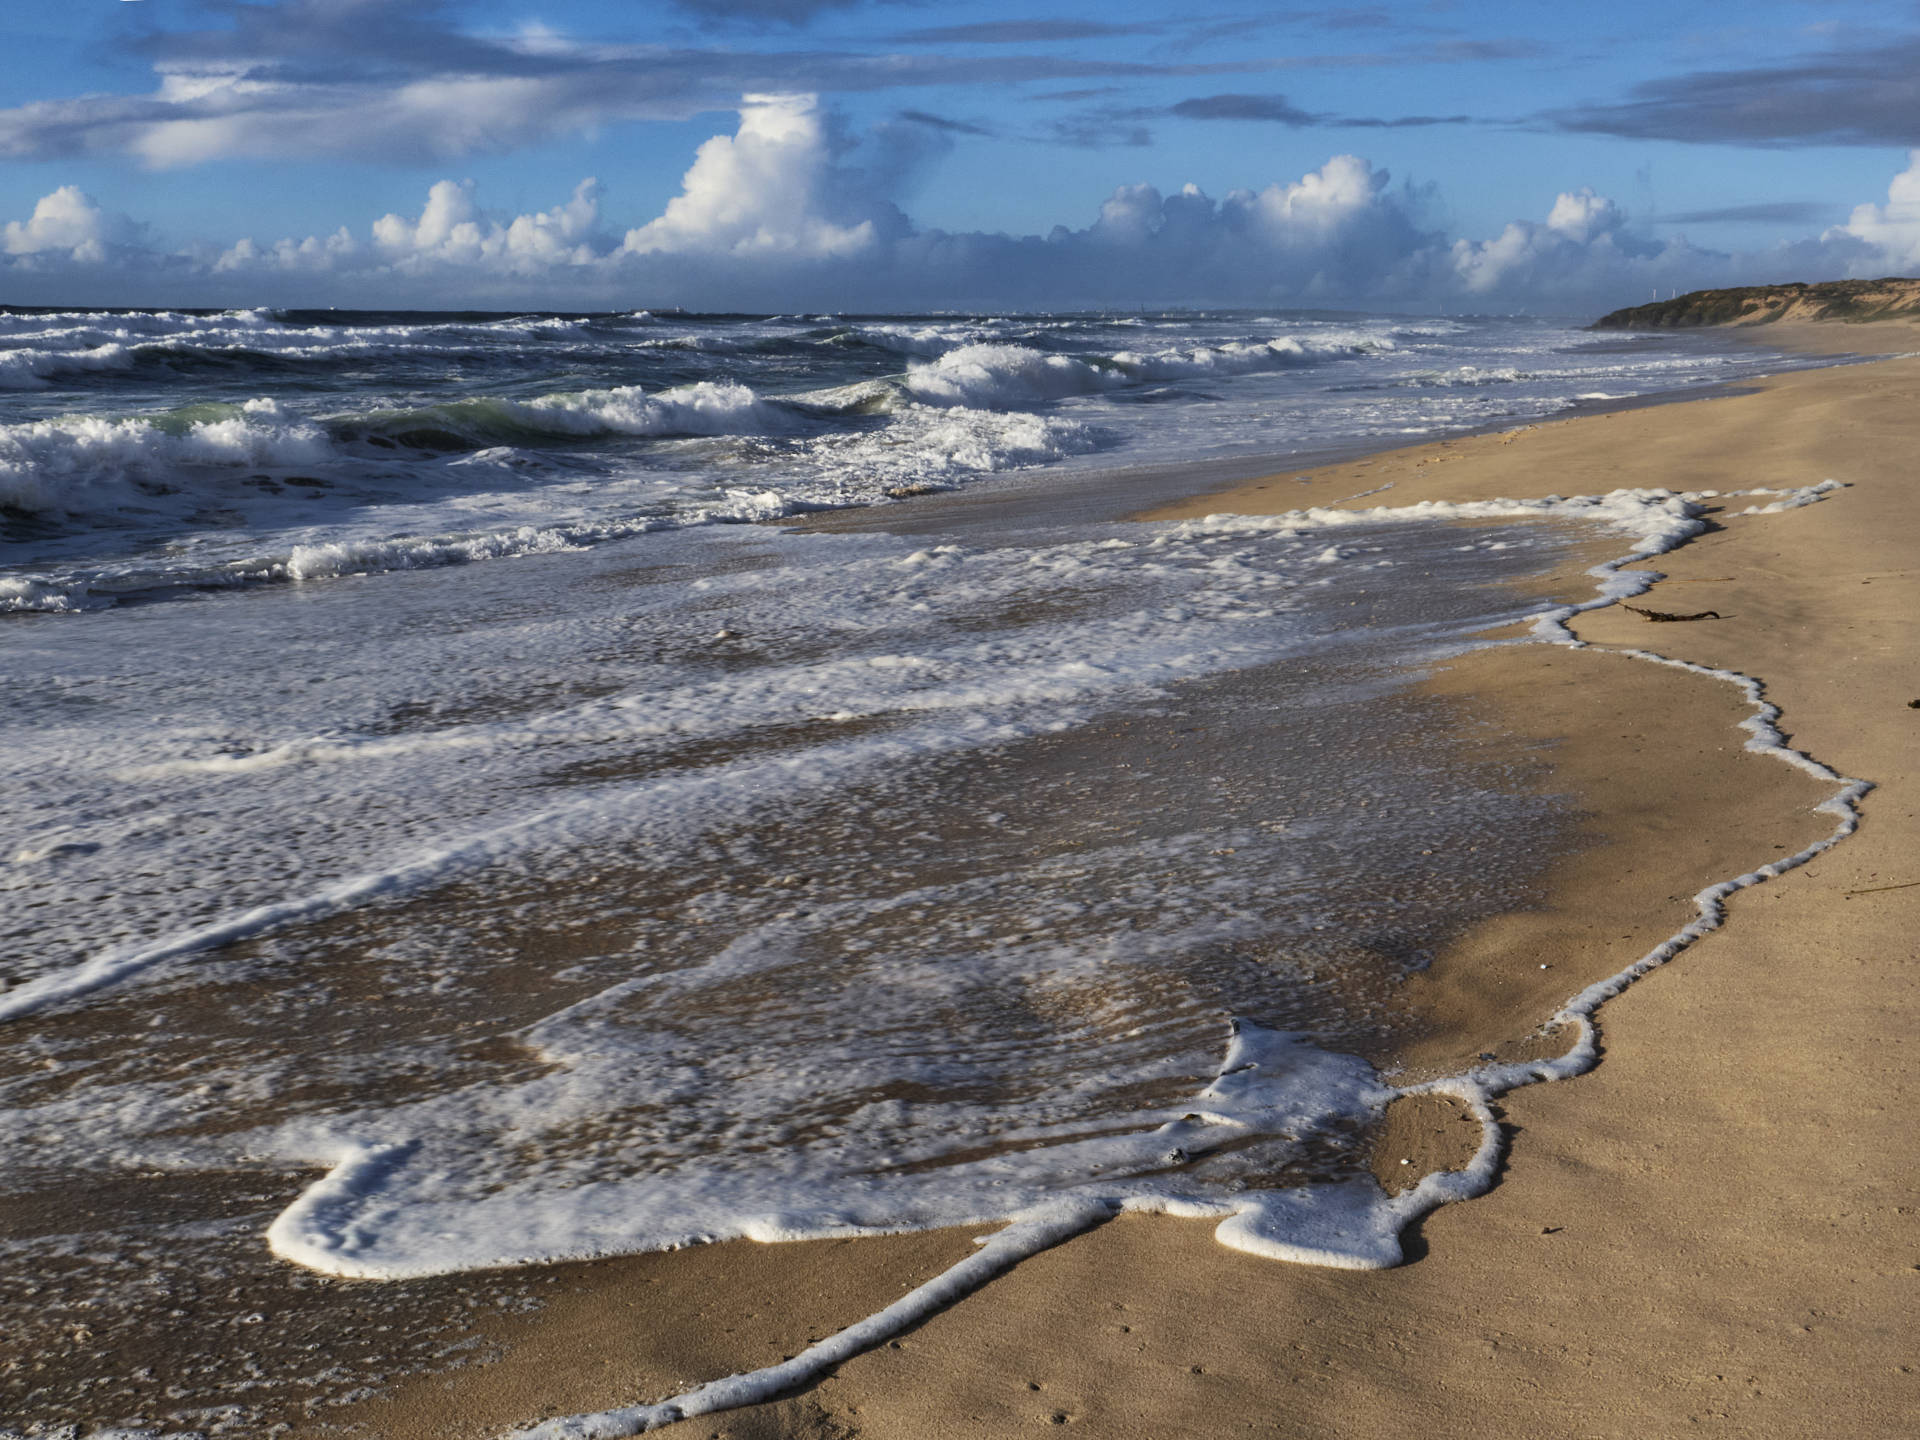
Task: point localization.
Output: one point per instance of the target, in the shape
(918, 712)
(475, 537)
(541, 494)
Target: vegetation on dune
(1849, 300)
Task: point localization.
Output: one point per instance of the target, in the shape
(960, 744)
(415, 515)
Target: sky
(1447, 156)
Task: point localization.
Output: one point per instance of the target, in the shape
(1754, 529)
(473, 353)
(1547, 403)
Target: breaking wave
(1004, 376)
(382, 440)
(89, 463)
(31, 369)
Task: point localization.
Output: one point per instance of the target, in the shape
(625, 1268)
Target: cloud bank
(1861, 96)
(412, 84)
(789, 212)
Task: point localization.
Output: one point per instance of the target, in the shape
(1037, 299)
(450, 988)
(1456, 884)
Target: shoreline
(909, 1390)
(1106, 491)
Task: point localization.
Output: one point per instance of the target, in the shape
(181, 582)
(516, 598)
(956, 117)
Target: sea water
(434, 815)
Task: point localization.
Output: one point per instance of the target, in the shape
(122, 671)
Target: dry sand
(1716, 1231)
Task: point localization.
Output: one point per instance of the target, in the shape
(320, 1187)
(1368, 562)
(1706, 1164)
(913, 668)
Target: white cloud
(1582, 216)
(1133, 213)
(337, 252)
(1891, 230)
(451, 232)
(764, 191)
(446, 227)
(450, 235)
(558, 236)
(1322, 204)
(66, 221)
(1585, 248)
(1337, 234)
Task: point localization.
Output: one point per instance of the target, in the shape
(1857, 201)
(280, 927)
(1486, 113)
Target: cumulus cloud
(1891, 230)
(451, 231)
(67, 220)
(766, 190)
(1339, 234)
(67, 226)
(450, 235)
(1322, 202)
(336, 252)
(791, 211)
(1585, 246)
(1582, 216)
(1337, 231)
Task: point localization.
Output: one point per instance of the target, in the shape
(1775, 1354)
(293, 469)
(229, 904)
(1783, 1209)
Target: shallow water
(793, 974)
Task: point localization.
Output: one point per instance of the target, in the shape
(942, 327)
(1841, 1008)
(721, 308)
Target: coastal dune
(1715, 1228)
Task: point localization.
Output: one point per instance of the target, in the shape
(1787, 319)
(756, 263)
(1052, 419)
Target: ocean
(483, 790)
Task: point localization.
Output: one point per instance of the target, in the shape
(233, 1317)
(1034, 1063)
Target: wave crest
(30, 369)
(88, 463)
(1002, 376)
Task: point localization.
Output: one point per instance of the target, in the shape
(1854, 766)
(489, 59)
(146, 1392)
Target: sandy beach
(851, 720)
(836, 720)
(1714, 1231)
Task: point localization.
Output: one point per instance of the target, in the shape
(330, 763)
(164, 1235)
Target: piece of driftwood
(1876, 889)
(1669, 615)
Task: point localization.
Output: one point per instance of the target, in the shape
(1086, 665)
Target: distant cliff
(1849, 300)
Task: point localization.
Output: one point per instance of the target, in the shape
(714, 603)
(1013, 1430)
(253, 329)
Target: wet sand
(1716, 1228)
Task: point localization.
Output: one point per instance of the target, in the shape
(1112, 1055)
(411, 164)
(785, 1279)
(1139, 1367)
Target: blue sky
(921, 154)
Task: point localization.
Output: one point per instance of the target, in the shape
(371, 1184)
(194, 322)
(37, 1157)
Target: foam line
(1618, 583)
(1029, 1233)
(1480, 1086)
